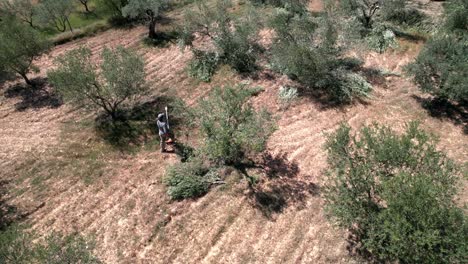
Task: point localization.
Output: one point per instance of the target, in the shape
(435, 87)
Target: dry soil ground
(61, 177)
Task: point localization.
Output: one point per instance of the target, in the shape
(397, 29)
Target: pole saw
(169, 141)
(167, 118)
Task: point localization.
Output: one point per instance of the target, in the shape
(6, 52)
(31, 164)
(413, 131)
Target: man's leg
(162, 142)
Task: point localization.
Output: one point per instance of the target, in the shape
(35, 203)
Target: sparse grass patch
(79, 156)
(87, 31)
(18, 246)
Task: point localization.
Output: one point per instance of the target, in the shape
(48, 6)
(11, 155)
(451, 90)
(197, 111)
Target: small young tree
(233, 37)
(149, 9)
(24, 10)
(20, 45)
(395, 194)
(364, 10)
(230, 127)
(441, 66)
(306, 49)
(56, 13)
(115, 82)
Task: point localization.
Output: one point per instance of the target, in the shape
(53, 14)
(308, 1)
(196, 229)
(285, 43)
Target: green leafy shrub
(186, 180)
(203, 65)
(440, 68)
(345, 85)
(381, 38)
(230, 127)
(395, 194)
(456, 15)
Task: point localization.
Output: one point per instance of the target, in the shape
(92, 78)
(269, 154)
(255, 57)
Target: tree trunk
(61, 26)
(69, 25)
(26, 79)
(86, 7)
(152, 29)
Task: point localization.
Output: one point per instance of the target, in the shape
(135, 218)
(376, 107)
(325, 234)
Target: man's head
(161, 117)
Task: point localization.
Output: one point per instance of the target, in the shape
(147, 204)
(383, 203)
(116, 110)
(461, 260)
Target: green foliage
(203, 65)
(19, 47)
(296, 6)
(112, 7)
(395, 193)
(233, 36)
(56, 13)
(398, 12)
(373, 20)
(441, 66)
(306, 49)
(148, 9)
(23, 10)
(381, 38)
(456, 15)
(118, 81)
(186, 180)
(345, 85)
(364, 10)
(230, 127)
(17, 247)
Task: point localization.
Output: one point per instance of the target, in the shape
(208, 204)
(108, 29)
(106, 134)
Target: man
(163, 131)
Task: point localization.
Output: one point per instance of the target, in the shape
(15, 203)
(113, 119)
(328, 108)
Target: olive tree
(305, 48)
(115, 82)
(396, 194)
(56, 13)
(20, 45)
(24, 10)
(441, 66)
(234, 37)
(231, 128)
(149, 9)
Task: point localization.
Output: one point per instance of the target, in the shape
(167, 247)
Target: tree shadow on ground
(408, 36)
(135, 126)
(7, 211)
(34, 97)
(282, 188)
(9, 214)
(5, 76)
(443, 109)
(163, 39)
